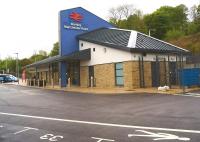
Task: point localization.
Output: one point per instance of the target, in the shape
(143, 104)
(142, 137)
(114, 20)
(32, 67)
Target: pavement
(38, 115)
(118, 90)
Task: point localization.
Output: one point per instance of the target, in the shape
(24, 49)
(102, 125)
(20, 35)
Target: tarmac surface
(38, 115)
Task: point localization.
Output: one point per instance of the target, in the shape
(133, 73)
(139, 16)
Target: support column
(36, 74)
(63, 70)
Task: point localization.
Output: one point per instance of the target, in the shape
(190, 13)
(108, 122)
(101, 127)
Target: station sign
(75, 22)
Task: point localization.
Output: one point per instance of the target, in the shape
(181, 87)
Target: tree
(194, 25)
(116, 15)
(42, 52)
(136, 22)
(167, 18)
(55, 50)
(174, 34)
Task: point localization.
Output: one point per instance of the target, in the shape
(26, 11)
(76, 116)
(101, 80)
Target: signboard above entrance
(75, 22)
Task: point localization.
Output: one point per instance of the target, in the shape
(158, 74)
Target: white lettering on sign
(51, 137)
(25, 129)
(101, 139)
(158, 136)
(75, 26)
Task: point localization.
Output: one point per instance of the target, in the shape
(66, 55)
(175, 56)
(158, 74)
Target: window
(105, 50)
(119, 77)
(93, 49)
(81, 44)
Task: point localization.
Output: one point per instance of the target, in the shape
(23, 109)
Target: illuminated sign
(75, 22)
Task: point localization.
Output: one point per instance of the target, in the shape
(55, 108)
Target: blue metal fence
(189, 77)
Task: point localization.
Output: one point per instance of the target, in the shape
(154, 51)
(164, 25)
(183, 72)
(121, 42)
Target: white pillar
(69, 82)
(92, 81)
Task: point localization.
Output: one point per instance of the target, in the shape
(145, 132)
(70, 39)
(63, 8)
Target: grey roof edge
(142, 50)
(184, 51)
(79, 36)
(136, 50)
(43, 61)
(164, 42)
(78, 55)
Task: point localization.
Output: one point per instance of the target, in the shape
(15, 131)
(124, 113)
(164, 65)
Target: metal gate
(155, 74)
(172, 73)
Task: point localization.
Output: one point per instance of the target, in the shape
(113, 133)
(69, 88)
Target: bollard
(69, 82)
(92, 81)
(60, 82)
(52, 83)
(38, 83)
(43, 83)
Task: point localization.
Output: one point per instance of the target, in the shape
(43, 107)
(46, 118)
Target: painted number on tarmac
(51, 137)
(139, 133)
(158, 136)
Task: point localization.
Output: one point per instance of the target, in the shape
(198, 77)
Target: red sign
(76, 16)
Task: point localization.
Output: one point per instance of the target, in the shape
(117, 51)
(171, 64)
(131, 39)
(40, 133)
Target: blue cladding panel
(89, 21)
(189, 77)
(68, 42)
(63, 69)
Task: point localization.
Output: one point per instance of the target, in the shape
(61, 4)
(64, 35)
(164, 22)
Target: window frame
(122, 69)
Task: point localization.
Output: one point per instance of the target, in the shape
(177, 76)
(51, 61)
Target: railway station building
(95, 53)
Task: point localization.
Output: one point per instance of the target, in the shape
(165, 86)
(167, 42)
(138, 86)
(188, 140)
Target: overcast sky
(27, 26)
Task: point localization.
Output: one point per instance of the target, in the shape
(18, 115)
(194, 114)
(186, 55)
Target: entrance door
(155, 74)
(91, 73)
(172, 73)
(74, 73)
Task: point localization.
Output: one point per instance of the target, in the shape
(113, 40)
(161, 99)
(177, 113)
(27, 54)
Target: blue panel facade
(72, 23)
(189, 77)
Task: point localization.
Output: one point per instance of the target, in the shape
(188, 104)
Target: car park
(5, 78)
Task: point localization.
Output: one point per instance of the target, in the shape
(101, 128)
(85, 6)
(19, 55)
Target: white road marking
(101, 139)
(101, 124)
(194, 94)
(159, 136)
(25, 129)
(189, 95)
(51, 137)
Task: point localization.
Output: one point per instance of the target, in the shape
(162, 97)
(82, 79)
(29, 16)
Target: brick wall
(131, 75)
(104, 75)
(147, 74)
(84, 76)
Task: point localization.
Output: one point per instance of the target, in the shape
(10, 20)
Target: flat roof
(79, 55)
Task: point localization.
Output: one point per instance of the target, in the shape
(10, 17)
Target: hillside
(191, 42)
